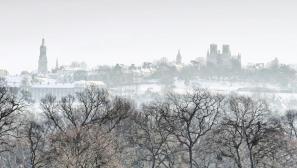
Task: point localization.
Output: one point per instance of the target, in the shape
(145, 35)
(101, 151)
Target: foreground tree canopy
(194, 129)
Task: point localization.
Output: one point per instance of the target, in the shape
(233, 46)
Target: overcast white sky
(132, 31)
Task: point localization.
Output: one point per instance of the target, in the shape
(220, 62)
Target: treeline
(165, 73)
(94, 129)
(282, 75)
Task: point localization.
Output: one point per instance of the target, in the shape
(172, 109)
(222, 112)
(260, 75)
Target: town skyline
(148, 83)
(110, 32)
(48, 66)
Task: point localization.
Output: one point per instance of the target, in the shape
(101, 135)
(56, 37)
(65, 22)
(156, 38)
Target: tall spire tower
(42, 62)
(178, 60)
(57, 64)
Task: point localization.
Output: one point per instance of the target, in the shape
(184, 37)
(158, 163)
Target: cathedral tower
(42, 62)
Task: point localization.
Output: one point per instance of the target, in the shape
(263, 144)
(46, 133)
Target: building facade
(222, 60)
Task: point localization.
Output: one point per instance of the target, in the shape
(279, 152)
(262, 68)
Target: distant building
(42, 62)
(178, 58)
(255, 66)
(3, 73)
(60, 90)
(222, 60)
(45, 86)
(198, 62)
(57, 64)
(273, 64)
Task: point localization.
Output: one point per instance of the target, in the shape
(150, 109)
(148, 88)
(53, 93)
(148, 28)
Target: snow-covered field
(278, 101)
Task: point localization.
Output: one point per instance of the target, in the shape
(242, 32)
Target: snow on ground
(145, 92)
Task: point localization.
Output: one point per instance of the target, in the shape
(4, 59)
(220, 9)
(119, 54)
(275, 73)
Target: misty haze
(148, 84)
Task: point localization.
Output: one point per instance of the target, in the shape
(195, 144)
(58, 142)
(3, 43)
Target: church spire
(178, 57)
(57, 64)
(43, 42)
(42, 62)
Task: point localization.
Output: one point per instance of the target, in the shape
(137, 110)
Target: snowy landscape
(148, 84)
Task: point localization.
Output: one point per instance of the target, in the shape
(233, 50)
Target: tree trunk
(251, 158)
(191, 157)
(238, 161)
(153, 162)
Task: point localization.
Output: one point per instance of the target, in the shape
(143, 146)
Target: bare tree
(290, 123)
(192, 116)
(82, 126)
(196, 129)
(150, 136)
(274, 149)
(36, 141)
(229, 138)
(10, 108)
(247, 134)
